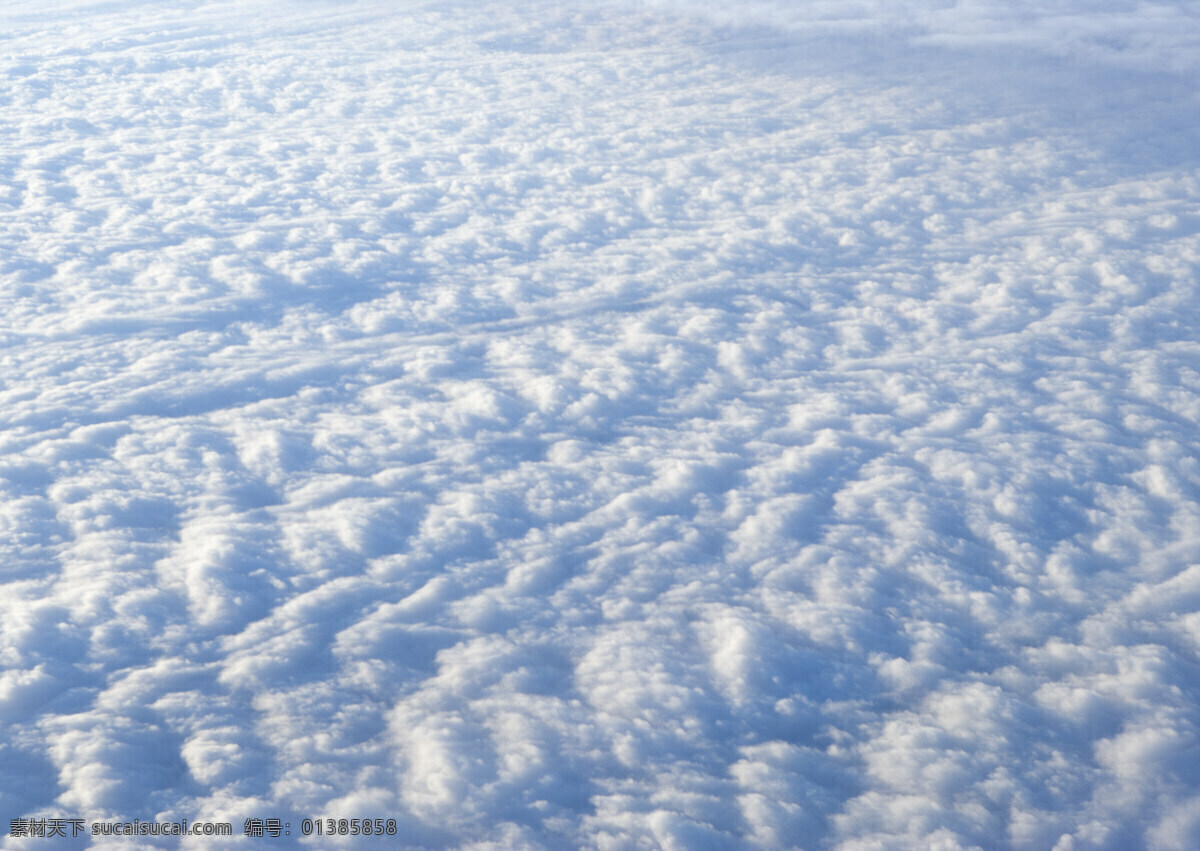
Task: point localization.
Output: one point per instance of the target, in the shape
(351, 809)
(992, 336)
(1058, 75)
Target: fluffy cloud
(616, 426)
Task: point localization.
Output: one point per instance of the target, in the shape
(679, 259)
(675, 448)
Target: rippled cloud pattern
(606, 425)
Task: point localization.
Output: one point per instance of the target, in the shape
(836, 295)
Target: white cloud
(618, 425)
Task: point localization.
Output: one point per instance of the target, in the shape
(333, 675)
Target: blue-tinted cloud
(617, 426)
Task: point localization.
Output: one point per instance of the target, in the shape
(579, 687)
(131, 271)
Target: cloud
(603, 425)
(1159, 36)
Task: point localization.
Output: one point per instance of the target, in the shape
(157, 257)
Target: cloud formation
(615, 427)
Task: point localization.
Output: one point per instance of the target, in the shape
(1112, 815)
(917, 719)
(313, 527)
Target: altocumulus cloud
(616, 425)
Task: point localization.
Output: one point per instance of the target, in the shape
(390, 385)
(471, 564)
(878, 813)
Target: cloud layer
(603, 426)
